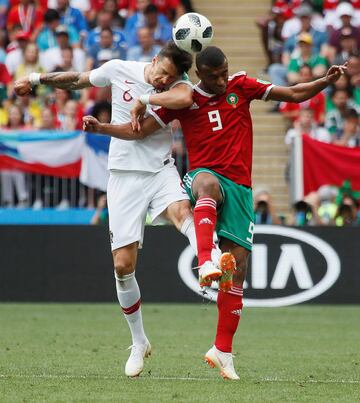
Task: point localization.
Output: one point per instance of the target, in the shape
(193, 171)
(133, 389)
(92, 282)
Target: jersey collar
(202, 92)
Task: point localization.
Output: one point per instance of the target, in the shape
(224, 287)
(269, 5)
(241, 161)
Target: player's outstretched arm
(123, 131)
(177, 97)
(71, 80)
(302, 92)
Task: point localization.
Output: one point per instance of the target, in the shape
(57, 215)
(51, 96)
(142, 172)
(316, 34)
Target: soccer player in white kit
(143, 178)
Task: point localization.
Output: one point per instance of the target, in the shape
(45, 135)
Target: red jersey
(316, 103)
(218, 128)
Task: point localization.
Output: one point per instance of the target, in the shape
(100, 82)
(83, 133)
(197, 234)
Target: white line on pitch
(174, 378)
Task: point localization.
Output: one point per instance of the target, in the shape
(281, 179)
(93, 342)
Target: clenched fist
(91, 124)
(22, 86)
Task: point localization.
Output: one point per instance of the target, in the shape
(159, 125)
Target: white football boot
(222, 361)
(135, 363)
(208, 272)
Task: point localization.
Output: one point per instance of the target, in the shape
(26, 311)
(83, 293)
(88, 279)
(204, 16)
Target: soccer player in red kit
(218, 134)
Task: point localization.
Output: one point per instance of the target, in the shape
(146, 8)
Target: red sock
(229, 311)
(205, 223)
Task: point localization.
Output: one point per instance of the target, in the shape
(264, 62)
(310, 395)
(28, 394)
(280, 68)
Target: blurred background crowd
(301, 39)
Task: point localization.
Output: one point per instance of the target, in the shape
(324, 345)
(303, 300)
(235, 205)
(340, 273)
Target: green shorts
(235, 219)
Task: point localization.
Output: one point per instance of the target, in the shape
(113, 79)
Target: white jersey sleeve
(102, 76)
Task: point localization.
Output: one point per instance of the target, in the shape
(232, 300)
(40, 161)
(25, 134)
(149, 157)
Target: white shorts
(133, 194)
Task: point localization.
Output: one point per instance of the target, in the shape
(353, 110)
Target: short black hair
(151, 9)
(51, 15)
(212, 56)
(351, 114)
(180, 58)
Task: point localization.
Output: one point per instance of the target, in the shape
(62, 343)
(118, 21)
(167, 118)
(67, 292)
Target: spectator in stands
(14, 180)
(105, 20)
(291, 110)
(53, 57)
(270, 28)
(16, 56)
(137, 20)
(347, 214)
(345, 12)
(348, 46)
(106, 44)
(146, 50)
(28, 15)
(334, 9)
(328, 208)
(293, 25)
(112, 7)
(306, 125)
(317, 63)
(72, 119)
(350, 136)
(161, 30)
(31, 62)
(319, 38)
(353, 73)
(264, 209)
(304, 214)
(72, 17)
(339, 106)
(67, 59)
(47, 37)
(101, 215)
(31, 106)
(47, 120)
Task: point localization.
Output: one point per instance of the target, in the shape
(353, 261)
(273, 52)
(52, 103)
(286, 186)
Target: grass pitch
(68, 353)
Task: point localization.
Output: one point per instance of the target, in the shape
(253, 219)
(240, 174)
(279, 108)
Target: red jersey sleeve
(164, 116)
(5, 77)
(253, 88)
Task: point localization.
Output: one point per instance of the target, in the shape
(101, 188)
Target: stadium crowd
(300, 38)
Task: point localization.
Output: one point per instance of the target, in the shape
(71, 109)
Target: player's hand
(335, 72)
(91, 124)
(22, 86)
(137, 115)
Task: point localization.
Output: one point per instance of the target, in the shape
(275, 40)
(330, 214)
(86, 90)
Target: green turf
(66, 353)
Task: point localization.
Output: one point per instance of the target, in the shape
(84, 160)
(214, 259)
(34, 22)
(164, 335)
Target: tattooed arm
(71, 80)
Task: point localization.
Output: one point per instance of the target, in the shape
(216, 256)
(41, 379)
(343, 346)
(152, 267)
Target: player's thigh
(241, 255)
(166, 188)
(236, 217)
(206, 184)
(125, 258)
(193, 179)
(127, 205)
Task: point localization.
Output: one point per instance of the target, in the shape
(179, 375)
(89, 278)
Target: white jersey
(127, 84)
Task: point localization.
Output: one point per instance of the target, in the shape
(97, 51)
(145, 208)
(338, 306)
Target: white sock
(128, 293)
(188, 229)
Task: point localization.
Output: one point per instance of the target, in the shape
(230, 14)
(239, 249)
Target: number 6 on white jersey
(214, 117)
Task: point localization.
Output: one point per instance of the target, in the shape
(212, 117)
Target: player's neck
(147, 71)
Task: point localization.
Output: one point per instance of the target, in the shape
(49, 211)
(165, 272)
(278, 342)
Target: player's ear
(154, 60)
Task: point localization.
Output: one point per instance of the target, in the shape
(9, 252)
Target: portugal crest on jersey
(232, 99)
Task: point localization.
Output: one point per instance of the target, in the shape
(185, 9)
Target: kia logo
(291, 269)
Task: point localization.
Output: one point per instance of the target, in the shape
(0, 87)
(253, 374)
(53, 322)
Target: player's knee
(209, 187)
(123, 265)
